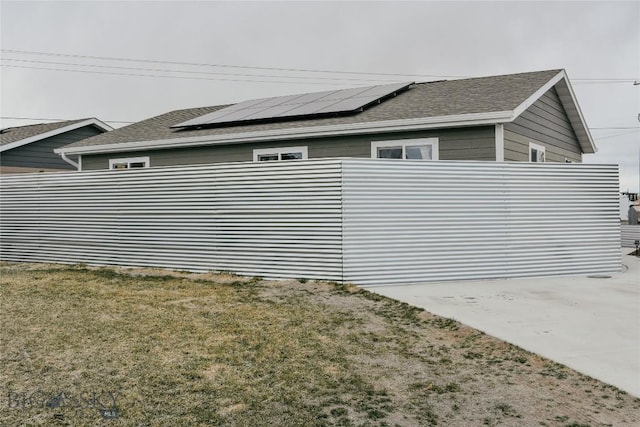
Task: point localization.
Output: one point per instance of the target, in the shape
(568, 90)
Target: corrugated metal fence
(412, 222)
(363, 221)
(630, 233)
(277, 219)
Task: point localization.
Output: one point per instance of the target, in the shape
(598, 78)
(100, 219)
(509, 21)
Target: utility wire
(193, 72)
(610, 128)
(204, 78)
(173, 77)
(615, 79)
(616, 135)
(601, 81)
(195, 64)
(302, 70)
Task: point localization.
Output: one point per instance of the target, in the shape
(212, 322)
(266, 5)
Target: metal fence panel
(410, 222)
(365, 221)
(629, 234)
(272, 220)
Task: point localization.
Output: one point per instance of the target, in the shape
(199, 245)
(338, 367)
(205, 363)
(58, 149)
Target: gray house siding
(40, 155)
(473, 143)
(544, 123)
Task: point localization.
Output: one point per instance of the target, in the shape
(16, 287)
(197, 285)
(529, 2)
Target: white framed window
(129, 163)
(410, 149)
(280, 153)
(536, 153)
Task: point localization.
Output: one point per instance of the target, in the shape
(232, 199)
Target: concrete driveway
(589, 324)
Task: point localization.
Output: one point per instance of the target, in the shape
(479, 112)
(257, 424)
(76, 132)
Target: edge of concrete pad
(593, 366)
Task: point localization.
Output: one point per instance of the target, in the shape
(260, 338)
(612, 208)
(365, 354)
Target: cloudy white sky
(598, 43)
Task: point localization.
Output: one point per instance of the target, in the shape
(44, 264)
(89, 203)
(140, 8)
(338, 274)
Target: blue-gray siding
(544, 123)
(39, 154)
(473, 143)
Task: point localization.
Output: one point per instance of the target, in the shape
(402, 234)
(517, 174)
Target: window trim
(130, 160)
(539, 148)
(434, 142)
(279, 151)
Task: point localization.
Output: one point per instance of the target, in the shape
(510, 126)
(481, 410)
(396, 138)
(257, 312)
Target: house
(519, 117)
(211, 188)
(30, 148)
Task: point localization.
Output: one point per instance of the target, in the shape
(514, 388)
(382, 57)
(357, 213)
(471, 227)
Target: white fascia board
(537, 94)
(578, 119)
(93, 121)
(296, 133)
(99, 123)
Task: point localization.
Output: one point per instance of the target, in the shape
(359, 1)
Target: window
(129, 163)
(410, 149)
(279, 153)
(536, 153)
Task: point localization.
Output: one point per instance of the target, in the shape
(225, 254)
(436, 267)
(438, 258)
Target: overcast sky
(411, 40)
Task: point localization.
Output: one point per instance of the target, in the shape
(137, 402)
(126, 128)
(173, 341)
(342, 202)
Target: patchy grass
(161, 348)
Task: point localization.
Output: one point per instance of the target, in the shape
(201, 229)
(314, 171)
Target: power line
(601, 81)
(616, 79)
(611, 128)
(172, 77)
(207, 73)
(302, 70)
(195, 64)
(616, 135)
(192, 72)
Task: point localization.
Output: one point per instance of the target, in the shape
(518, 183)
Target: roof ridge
(48, 123)
(554, 70)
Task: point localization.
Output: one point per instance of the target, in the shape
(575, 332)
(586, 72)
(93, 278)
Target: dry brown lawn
(84, 346)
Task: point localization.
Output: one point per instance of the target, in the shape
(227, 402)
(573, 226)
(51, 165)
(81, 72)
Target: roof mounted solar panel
(298, 106)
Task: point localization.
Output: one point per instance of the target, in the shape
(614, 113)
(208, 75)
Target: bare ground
(155, 347)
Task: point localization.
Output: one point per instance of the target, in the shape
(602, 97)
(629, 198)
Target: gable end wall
(39, 155)
(544, 123)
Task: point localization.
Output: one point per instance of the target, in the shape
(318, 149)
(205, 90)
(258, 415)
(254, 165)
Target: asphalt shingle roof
(432, 99)
(19, 133)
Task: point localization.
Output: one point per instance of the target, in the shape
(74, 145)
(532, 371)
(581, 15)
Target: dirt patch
(176, 348)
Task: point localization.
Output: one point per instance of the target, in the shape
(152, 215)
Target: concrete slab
(589, 324)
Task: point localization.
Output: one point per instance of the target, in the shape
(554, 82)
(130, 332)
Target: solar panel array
(310, 104)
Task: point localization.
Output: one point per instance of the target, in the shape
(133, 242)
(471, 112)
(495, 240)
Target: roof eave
(572, 108)
(475, 119)
(93, 121)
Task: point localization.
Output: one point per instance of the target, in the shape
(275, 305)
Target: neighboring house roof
(465, 102)
(18, 136)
